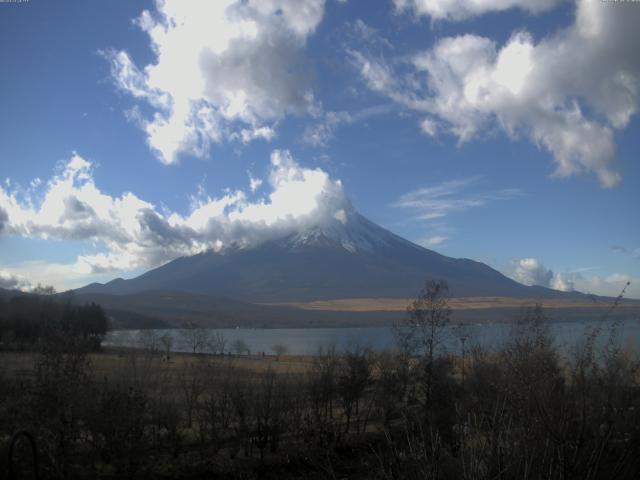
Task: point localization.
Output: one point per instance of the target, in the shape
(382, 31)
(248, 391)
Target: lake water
(308, 341)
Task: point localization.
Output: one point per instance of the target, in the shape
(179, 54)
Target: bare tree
(217, 343)
(429, 314)
(44, 290)
(190, 380)
(148, 340)
(167, 341)
(354, 376)
(391, 385)
(62, 373)
(240, 346)
(280, 349)
(322, 391)
(216, 409)
(197, 338)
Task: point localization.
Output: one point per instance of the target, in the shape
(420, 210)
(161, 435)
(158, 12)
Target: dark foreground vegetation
(520, 411)
(27, 321)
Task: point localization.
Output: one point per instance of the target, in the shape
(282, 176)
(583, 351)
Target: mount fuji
(345, 256)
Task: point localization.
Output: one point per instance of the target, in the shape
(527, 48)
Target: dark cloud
(4, 219)
(75, 209)
(11, 281)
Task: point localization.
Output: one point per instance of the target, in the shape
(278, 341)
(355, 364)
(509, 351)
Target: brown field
(114, 361)
(460, 303)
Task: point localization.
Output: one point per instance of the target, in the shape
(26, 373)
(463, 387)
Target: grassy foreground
(522, 411)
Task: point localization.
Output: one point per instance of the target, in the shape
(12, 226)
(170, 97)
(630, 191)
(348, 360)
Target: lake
(308, 341)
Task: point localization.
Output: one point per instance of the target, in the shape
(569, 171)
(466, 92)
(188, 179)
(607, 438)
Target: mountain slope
(344, 258)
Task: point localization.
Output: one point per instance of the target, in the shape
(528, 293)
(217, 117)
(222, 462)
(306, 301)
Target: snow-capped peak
(346, 229)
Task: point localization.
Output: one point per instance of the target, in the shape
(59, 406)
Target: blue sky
(500, 130)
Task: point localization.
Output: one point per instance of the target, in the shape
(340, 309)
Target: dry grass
(460, 303)
(113, 362)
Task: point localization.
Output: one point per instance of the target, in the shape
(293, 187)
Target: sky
(505, 131)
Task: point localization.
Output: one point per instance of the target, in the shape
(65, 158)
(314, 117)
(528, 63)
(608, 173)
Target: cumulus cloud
(531, 271)
(137, 233)
(563, 282)
(568, 92)
(463, 9)
(223, 70)
(11, 281)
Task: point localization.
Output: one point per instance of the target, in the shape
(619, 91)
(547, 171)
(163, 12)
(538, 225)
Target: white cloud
(610, 285)
(463, 9)
(368, 34)
(432, 204)
(434, 241)
(319, 134)
(429, 127)
(531, 271)
(618, 278)
(451, 196)
(562, 282)
(247, 135)
(61, 276)
(138, 235)
(377, 74)
(632, 252)
(254, 183)
(568, 93)
(223, 69)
